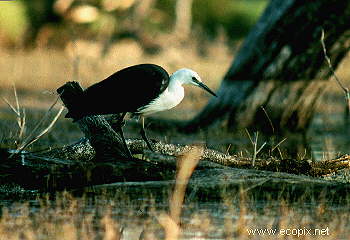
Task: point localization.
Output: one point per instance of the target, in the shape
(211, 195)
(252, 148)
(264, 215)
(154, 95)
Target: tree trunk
(280, 71)
(183, 12)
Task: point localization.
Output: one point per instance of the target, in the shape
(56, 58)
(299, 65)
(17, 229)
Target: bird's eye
(194, 79)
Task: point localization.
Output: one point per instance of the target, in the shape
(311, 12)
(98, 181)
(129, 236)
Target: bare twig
(277, 145)
(16, 98)
(268, 118)
(21, 117)
(34, 139)
(20, 114)
(345, 89)
(31, 139)
(255, 145)
(21, 121)
(250, 138)
(10, 105)
(43, 119)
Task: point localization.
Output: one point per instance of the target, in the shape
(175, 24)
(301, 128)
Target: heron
(141, 90)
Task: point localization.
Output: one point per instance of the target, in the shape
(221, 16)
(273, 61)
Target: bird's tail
(72, 96)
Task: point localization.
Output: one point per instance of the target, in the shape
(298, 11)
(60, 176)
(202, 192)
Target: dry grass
(71, 218)
(117, 216)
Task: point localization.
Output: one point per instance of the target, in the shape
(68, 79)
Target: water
(137, 208)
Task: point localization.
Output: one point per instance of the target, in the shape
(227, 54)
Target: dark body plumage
(124, 91)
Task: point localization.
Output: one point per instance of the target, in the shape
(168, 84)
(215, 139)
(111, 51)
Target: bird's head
(188, 76)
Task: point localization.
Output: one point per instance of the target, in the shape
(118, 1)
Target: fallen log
(73, 166)
(167, 153)
(102, 158)
(44, 173)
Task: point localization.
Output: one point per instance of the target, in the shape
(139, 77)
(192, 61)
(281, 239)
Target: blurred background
(45, 43)
(55, 23)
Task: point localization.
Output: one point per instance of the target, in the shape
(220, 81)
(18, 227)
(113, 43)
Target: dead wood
(101, 158)
(43, 173)
(166, 154)
(106, 142)
(73, 166)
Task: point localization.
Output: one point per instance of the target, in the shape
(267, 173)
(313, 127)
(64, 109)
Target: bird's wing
(126, 90)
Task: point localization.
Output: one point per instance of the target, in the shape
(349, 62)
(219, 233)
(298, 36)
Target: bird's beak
(205, 87)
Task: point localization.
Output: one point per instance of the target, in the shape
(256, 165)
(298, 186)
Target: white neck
(171, 97)
(175, 83)
(173, 94)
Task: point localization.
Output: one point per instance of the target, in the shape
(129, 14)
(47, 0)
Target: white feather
(172, 95)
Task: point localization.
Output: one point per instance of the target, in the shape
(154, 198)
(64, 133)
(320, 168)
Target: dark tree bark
(280, 67)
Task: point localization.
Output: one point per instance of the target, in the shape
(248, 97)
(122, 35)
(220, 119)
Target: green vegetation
(13, 21)
(234, 18)
(22, 20)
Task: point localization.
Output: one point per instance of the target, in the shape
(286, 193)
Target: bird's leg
(143, 134)
(120, 130)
